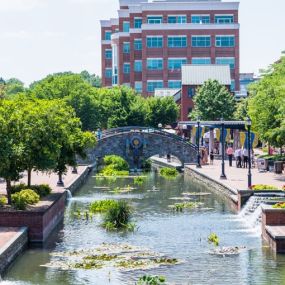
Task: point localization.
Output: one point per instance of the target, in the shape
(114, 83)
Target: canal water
(181, 235)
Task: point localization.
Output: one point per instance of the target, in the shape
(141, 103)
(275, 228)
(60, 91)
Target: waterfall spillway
(69, 194)
(251, 212)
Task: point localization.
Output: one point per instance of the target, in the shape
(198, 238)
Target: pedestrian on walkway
(238, 157)
(230, 152)
(99, 134)
(245, 157)
(212, 157)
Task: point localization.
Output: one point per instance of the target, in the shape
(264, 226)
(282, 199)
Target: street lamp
(223, 175)
(198, 144)
(248, 124)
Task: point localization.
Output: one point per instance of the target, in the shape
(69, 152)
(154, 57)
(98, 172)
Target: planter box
(39, 219)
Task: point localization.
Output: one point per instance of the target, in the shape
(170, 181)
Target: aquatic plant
(88, 264)
(168, 172)
(214, 239)
(139, 180)
(102, 205)
(3, 201)
(279, 206)
(146, 165)
(23, 198)
(118, 216)
(151, 280)
(179, 207)
(114, 166)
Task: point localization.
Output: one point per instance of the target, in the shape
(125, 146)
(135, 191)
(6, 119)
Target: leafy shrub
(118, 216)
(151, 280)
(168, 172)
(109, 171)
(213, 238)
(260, 187)
(139, 180)
(279, 206)
(3, 201)
(25, 197)
(116, 162)
(102, 205)
(42, 190)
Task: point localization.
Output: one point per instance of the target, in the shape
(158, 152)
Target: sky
(39, 37)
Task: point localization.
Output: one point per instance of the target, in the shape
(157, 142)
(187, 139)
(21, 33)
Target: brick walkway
(237, 177)
(51, 179)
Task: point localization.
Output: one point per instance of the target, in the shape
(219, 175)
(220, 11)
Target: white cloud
(6, 5)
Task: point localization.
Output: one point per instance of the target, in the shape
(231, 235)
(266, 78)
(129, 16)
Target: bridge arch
(136, 144)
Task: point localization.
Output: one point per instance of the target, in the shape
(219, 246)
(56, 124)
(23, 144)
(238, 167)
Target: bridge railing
(136, 129)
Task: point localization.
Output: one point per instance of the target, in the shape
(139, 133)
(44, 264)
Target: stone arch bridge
(136, 144)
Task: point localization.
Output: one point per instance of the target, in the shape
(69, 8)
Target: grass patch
(102, 206)
(118, 217)
(168, 172)
(139, 180)
(214, 239)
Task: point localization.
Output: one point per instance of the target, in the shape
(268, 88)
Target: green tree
(92, 79)
(213, 101)
(241, 112)
(161, 111)
(11, 145)
(266, 105)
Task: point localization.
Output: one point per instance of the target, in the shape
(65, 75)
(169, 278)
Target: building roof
(195, 74)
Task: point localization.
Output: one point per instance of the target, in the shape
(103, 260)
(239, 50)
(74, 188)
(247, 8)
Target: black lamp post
(248, 124)
(223, 175)
(198, 144)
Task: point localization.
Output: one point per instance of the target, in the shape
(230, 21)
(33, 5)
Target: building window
(201, 60)
(225, 41)
(152, 85)
(108, 72)
(200, 19)
(126, 27)
(175, 63)
(108, 35)
(191, 92)
(154, 42)
(138, 23)
(126, 68)
(177, 42)
(233, 85)
(108, 54)
(174, 84)
(227, 61)
(138, 66)
(138, 44)
(126, 47)
(224, 19)
(177, 19)
(115, 76)
(154, 64)
(138, 86)
(201, 41)
(154, 19)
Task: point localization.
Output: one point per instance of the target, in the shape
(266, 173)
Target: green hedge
(42, 190)
(21, 199)
(3, 201)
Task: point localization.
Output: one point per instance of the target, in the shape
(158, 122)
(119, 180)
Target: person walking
(245, 157)
(238, 157)
(230, 152)
(212, 157)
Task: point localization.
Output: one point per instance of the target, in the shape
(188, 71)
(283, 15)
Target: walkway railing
(136, 129)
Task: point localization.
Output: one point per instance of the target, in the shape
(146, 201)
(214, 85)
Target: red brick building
(147, 44)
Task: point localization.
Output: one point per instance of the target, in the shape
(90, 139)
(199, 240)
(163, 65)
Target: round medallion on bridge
(136, 142)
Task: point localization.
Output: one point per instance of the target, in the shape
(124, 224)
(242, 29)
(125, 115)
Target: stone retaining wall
(79, 181)
(214, 185)
(13, 248)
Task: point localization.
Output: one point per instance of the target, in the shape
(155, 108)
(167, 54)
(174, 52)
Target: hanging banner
(218, 134)
(255, 141)
(252, 137)
(193, 132)
(200, 132)
(228, 138)
(242, 137)
(203, 131)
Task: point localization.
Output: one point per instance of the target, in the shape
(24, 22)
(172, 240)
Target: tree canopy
(267, 105)
(213, 101)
